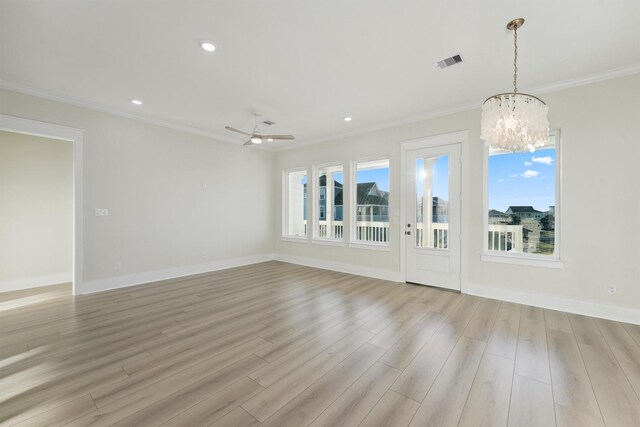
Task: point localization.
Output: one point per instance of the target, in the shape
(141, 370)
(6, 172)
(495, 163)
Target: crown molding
(587, 79)
(14, 87)
(564, 84)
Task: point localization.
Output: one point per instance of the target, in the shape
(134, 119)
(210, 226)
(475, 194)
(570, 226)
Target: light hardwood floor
(283, 345)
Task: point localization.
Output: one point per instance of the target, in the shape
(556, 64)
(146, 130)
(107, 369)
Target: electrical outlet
(117, 266)
(101, 212)
(611, 289)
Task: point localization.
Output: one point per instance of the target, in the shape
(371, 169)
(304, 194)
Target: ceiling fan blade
(248, 143)
(289, 137)
(236, 130)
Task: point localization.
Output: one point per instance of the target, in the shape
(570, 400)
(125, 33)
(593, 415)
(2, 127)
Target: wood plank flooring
(277, 344)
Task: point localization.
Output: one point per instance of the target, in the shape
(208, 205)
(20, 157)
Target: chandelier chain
(515, 60)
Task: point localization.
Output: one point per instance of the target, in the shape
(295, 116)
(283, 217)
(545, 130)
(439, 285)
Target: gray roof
(522, 209)
(370, 194)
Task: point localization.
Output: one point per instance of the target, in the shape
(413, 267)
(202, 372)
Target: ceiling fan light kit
(256, 137)
(514, 121)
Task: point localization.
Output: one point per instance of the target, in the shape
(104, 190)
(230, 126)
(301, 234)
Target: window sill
(371, 246)
(328, 242)
(294, 239)
(522, 260)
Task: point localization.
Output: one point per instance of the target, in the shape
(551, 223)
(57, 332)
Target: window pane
(522, 198)
(372, 201)
(330, 186)
(297, 203)
(432, 202)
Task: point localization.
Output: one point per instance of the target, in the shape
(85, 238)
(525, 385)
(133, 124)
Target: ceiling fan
(256, 137)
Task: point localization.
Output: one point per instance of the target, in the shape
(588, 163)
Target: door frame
(75, 136)
(460, 137)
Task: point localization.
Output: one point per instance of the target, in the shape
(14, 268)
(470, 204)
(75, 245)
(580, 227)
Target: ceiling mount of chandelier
(514, 121)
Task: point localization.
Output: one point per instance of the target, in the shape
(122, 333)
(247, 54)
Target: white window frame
(534, 260)
(316, 206)
(285, 206)
(353, 206)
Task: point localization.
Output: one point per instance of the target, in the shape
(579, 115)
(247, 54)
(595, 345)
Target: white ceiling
(304, 65)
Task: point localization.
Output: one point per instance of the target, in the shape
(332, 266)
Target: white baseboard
(100, 285)
(34, 282)
(555, 302)
(376, 273)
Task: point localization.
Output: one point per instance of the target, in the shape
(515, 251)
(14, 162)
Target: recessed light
(270, 139)
(256, 140)
(208, 45)
(136, 101)
(347, 119)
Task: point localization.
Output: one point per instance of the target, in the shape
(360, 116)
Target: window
(523, 202)
(295, 203)
(371, 200)
(329, 183)
(432, 204)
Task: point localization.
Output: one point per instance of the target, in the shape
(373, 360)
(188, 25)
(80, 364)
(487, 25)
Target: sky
(515, 179)
(522, 179)
(439, 181)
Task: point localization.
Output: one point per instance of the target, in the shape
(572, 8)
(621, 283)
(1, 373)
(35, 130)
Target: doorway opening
(41, 213)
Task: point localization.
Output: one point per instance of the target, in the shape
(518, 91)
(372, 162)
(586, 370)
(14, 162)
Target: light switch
(102, 212)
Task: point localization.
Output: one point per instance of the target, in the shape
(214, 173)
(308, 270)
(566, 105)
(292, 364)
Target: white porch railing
(372, 231)
(501, 237)
(505, 238)
(368, 231)
(338, 229)
(440, 235)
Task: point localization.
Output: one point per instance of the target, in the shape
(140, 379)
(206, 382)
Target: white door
(432, 228)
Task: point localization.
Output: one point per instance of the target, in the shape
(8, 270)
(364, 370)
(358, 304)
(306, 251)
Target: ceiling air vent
(269, 122)
(448, 62)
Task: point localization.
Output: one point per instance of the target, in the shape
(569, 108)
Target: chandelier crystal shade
(514, 121)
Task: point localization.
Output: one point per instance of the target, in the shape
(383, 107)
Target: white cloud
(546, 160)
(528, 163)
(500, 179)
(530, 174)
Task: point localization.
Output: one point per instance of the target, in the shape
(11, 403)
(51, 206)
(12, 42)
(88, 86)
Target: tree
(515, 219)
(547, 222)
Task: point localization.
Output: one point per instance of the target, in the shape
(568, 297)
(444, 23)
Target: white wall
(36, 211)
(600, 203)
(178, 203)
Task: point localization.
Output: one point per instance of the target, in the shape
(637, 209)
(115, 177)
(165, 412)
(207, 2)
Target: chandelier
(514, 121)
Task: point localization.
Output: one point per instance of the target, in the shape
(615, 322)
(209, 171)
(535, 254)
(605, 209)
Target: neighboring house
(497, 217)
(525, 212)
(440, 210)
(373, 203)
(337, 199)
